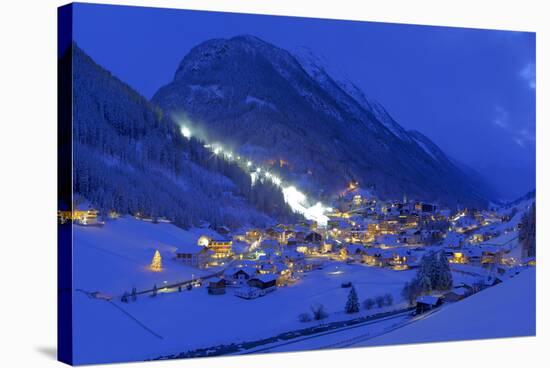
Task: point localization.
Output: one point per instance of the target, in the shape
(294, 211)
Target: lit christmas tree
(156, 263)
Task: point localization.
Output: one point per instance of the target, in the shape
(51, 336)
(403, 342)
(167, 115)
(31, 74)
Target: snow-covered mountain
(252, 95)
(128, 158)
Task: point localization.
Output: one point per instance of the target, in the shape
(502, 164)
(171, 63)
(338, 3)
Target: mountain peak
(268, 103)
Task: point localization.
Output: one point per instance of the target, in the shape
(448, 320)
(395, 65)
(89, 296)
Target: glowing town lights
(259, 170)
(248, 163)
(217, 150)
(185, 132)
(229, 156)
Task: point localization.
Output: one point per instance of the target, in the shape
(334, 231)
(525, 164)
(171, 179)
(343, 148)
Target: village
(361, 230)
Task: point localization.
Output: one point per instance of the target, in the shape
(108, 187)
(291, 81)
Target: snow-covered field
(113, 258)
(505, 310)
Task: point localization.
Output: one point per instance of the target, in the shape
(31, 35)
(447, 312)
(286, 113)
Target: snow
(212, 90)
(115, 257)
(425, 148)
(504, 310)
(262, 103)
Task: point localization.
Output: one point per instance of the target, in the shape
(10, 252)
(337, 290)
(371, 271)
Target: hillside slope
(130, 159)
(505, 310)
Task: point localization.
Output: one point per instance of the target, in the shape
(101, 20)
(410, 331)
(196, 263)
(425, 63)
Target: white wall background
(28, 179)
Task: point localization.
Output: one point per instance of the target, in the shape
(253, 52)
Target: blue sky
(471, 91)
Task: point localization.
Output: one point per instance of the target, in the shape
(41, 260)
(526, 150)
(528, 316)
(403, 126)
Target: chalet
(266, 283)
(89, 217)
(426, 303)
(328, 246)
(400, 258)
(308, 248)
(194, 255)
(491, 254)
(453, 240)
(248, 292)
(465, 223)
(359, 234)
(313, 237)
(294, 260)
(353, 251)
(220, 245)
(276, 233)
(338, 224)
(410, 236)
(240, 275)
(388, 240)
(457, 257)
(216, 286)
(378, 257)
(253, 235)
(388, 227)
(299, 233)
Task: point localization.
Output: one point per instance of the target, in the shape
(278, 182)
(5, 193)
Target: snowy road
(339, 338)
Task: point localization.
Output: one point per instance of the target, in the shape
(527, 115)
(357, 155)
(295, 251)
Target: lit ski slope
(296, 199)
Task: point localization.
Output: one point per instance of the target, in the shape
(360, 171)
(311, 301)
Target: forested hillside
(130, 159)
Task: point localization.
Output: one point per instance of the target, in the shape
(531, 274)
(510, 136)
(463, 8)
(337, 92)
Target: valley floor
(113, 258)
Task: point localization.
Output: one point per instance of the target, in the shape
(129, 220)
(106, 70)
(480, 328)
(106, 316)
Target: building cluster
(87, 217)
(390, 234)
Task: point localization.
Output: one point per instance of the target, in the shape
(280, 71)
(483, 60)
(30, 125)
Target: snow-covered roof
(240, 247)
(215, 280)
(265, 277)
(387, 239)
(428, 299)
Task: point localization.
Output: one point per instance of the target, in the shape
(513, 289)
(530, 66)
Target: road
(187, 282)
(342, 337)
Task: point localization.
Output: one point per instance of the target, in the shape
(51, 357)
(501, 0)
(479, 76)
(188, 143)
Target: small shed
(216, 286)
(426, 303)
(263, 282)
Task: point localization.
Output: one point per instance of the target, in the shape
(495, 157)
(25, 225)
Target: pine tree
(155, 291)
(445, 276)
(352, 305)
(134, 294)
(124, 297)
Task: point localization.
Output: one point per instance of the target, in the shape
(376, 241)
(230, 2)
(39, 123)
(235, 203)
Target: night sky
(471, 91)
